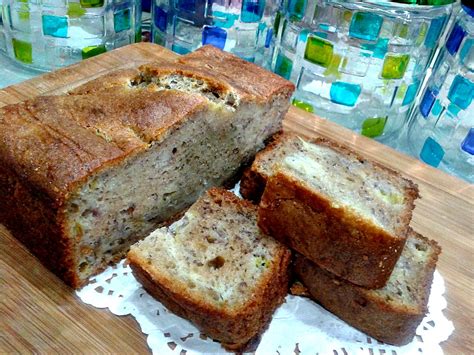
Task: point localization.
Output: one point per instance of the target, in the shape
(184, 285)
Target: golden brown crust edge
(359, 307)
(235, 330)
(334, 238)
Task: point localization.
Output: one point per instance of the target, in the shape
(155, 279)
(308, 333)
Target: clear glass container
(48, 34)
(441, 130)
(357, 63)
(243, 27)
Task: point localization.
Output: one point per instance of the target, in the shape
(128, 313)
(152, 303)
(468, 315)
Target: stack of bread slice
(347, 219)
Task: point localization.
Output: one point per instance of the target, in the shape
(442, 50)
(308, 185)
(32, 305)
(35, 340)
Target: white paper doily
(298, 326)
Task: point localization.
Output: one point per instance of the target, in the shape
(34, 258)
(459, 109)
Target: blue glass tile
(461, 92)
(161, 19)
(55, 26)
(252, 10)
(268, 38)
(411, 93)
(468, 143)
(432, 153)
(381, 48)
(187, 5)
(179, 49)
(122, 20)
(344, 93)
(427, 101)
(455, 38)
(365, 25)
(223, 19)
(214, 35)
(434, 31)
(437, 108)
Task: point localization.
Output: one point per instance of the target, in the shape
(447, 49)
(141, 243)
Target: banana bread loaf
(85, 175)
(390, 314)
(215, 268)
(345, 213)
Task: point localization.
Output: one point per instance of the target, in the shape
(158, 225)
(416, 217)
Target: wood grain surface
(39, 314)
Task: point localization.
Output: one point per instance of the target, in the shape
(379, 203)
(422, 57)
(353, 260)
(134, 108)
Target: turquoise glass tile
(296, 9)
(468, 143)
(179, 49)
(461, 92)
(365, 25)
(411, 93)
(437, 108)
(303, 36)
(283, 66)
(252, 10)
(55, 26)
(379, 49)
(122, 20)
(467, 50)
(454, 109)
(344, 93)
(223, 19)
(432, 153)
(434, 31)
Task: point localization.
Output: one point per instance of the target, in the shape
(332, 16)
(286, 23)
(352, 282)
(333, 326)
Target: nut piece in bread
(215, 268)
(347, 214)
(85, 175)
(390, 314)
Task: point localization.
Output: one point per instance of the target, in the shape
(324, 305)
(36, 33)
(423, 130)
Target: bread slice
(85, 175)
(215, 268)
(390, 314)
(347, 214)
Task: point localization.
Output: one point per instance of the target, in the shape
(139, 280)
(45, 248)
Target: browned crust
(234, 328)
(334, 238)
(362, 308)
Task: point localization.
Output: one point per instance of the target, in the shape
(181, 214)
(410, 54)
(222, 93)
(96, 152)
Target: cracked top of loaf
(56, 142)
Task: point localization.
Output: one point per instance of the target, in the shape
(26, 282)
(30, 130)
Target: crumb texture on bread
(347, 214)
(121, 155)
(217, 265)
(390, 314)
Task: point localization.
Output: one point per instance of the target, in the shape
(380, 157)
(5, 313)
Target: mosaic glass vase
(47, 34)
(441, 131)
(243, 27)
(358, 63)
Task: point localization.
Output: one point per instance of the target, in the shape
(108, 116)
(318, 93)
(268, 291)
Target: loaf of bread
(215, 268)
(85, 175)
(347, 214)
(390, 314)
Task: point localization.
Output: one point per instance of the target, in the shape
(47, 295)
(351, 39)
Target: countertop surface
(38, 313)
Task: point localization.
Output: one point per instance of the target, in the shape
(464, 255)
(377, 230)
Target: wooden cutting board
(40, 314)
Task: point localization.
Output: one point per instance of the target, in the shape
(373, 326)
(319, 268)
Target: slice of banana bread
(215, 268)
(390, 314)
(347, 214)
(85, 175)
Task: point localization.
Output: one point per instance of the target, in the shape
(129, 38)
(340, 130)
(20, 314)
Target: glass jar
(243, 27)
(441, 131)
(357, 63)
(48, 34)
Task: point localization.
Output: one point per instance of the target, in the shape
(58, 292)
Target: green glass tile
(283, 66)
(122, 21)
(422, 34)
(394, 66)
(24, 12)
(92, 3)
(158, 39)
(296, 9)
(138, 33)
(91, 51)
(303, 105)
(75, 10)
(23, 51)
(318, 51)
(333, 67)
(276, 24)
(373, 127)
